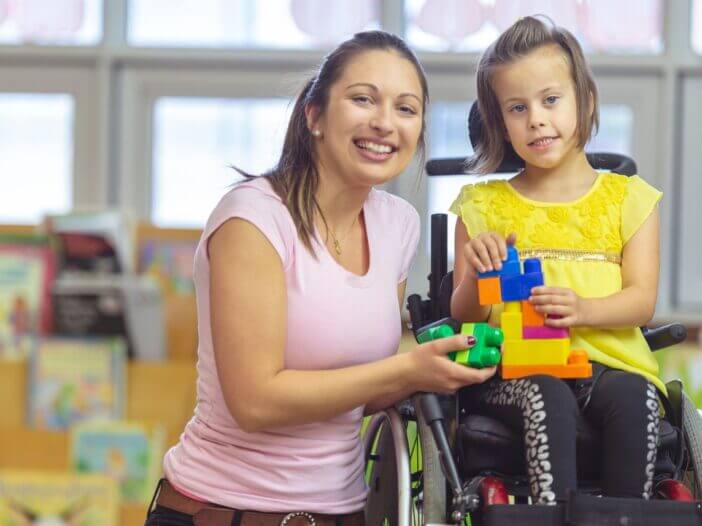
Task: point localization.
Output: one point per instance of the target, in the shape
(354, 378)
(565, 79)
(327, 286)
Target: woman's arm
(248, 316)
(464, 300)
(633, 306)
(386, 401)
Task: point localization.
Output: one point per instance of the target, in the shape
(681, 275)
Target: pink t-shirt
(315, 467)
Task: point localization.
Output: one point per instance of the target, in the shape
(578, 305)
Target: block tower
(530, 346)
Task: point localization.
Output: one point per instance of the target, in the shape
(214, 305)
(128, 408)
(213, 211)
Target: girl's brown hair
(295, 177)
(523, 37)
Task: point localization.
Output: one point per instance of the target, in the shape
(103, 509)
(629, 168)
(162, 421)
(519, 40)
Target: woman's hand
(433, 372)
(563, 307)
(486, 252)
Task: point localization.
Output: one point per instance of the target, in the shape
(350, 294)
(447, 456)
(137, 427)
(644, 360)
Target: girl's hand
(485, 252)
(563, 307)
(433, 372)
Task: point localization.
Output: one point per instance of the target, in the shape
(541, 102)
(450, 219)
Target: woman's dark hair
(524, 36)
(295, 177)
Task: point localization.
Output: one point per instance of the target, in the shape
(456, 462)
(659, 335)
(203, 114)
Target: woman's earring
(316, 133)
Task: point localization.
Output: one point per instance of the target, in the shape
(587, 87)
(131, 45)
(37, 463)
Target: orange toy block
(577, 367)
(531, 318)
(489, 291)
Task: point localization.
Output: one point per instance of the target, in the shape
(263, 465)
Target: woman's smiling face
(372, 124)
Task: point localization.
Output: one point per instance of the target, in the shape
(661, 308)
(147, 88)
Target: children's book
(27, 269)
(167, 255)
(74, 379)
(128, 452)
(51, 498)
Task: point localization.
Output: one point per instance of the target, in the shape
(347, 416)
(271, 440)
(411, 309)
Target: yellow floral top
(580, 244)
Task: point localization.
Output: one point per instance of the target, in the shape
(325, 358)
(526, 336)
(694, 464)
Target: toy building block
(511, 324)
(486, 351)
(544, 332)
(577, 366)
(517, 287)
(528, 352)
(531, 318)
(489, 292)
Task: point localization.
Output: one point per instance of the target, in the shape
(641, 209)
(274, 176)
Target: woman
(300, 276)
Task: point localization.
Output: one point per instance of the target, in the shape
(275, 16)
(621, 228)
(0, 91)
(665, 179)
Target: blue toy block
(533, 277)
(518, 287)
(511, 265)
(513, 288)
(490, 274)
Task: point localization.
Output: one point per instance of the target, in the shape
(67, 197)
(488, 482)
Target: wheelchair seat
(485, 445)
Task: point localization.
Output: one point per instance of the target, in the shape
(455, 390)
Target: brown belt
(205, 514)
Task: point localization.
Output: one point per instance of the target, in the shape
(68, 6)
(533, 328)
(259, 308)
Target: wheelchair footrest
(581, 509)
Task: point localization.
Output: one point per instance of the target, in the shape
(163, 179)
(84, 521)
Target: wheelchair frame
(435, 493)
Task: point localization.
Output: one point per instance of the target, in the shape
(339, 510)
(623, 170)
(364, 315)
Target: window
(59, 22)
(696, 32)
(448, 122)
(471, 25)
(196, 143)
(36, 155)
(248, 23)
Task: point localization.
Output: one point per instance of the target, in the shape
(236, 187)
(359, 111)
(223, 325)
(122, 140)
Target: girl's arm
(633, 306)
(464, 300)
(248, 308)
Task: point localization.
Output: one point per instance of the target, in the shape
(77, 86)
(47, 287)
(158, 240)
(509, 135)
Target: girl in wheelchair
(597, 236)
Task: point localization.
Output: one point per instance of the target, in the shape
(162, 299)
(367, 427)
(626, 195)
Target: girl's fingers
(493, 248)
(560, 310)
(501, 246)
(560, 322)
(483, 255)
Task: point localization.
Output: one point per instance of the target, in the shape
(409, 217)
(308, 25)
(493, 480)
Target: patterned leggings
(622, 406)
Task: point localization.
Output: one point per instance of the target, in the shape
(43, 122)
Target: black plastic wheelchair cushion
(486, 445)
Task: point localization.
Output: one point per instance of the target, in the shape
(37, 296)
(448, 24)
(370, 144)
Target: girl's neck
(572, 178)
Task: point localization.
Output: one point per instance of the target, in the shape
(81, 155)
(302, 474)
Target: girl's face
(373, 120)
(536, 95)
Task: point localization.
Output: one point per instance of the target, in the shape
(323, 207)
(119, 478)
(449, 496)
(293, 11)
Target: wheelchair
(428, 461)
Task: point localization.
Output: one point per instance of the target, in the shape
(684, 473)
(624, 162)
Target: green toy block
(486, 351)
(435, 333)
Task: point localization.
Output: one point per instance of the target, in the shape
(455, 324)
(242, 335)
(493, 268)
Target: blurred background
(118, 122)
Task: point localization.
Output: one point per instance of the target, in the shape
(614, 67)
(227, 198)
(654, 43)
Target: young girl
(597, 237)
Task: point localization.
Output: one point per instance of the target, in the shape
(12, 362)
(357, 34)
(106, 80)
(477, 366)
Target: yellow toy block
(530, 317)
(511, 324)
(489, 291)
(535, 352)
(513, 306)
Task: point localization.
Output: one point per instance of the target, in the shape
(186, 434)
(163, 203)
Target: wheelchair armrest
(665, 336)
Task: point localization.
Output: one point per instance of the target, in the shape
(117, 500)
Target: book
(167, 255)
(74, 379)
(27, 270)
(128, 452)
(93, 241)
(37, 497)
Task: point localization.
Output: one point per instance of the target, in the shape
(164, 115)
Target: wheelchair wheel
(434, 502)
(692, 427)
(388, 477)
(406, 483)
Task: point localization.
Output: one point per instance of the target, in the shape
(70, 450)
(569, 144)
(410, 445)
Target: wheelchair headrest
(613, 162)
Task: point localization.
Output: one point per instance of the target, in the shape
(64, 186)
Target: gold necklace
(335, 240)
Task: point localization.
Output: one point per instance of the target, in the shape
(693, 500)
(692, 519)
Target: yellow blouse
(580, 245)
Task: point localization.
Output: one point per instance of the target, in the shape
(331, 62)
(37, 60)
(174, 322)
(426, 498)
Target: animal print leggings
(623, 406)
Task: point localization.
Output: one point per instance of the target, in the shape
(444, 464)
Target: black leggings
(622, 406)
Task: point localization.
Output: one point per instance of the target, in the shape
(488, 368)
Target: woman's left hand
(563, 307)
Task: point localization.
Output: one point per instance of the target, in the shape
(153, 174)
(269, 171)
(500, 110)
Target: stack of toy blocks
(530, 346)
